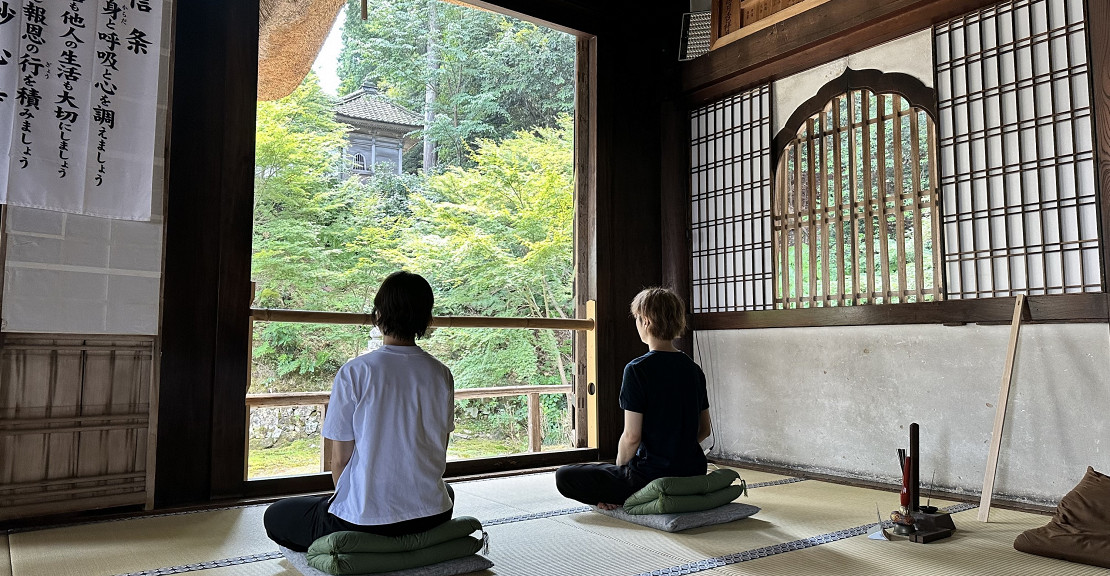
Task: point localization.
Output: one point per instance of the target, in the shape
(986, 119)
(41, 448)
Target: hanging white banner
(78, 104)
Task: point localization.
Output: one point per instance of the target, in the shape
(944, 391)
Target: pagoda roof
(369, 105)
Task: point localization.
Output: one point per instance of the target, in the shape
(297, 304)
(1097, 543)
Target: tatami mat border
(776, 482)
(208, 565)
(719, 561)
(536, 515)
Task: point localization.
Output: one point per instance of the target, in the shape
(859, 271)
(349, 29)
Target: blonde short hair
(664, 310)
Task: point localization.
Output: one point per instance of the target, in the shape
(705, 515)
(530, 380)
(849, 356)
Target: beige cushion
(1080, 529)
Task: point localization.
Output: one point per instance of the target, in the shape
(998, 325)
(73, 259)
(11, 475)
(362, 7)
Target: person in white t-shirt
(389, 418)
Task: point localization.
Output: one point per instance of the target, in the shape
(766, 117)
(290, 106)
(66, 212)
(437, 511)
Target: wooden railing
(535, 426)
(535, 421)
(315, 317)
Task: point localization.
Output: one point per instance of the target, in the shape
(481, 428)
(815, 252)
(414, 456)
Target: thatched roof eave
(290, 35)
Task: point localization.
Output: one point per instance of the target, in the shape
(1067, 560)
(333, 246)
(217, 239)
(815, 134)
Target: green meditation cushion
(686, 494)
(345, 553)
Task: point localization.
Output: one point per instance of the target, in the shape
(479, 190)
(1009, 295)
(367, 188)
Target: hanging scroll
(78, 103)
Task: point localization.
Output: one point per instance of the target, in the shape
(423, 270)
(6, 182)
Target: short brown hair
(403, 305)
(664, 310)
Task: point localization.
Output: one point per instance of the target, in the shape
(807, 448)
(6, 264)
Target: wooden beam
(829, 31)
(1048, 308)
(472, 466)
(499, 391)
(749, 29)
(1000, 410)
(570, 17)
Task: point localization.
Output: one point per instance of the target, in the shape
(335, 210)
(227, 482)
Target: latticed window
(359, 162)
(854, 218)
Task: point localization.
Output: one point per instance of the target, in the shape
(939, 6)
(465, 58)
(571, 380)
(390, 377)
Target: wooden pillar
(535, 423)
(209, 215)
(1098, 32)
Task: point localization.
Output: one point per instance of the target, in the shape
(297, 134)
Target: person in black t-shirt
(666, 412)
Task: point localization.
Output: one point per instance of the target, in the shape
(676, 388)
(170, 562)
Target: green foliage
(493, 238)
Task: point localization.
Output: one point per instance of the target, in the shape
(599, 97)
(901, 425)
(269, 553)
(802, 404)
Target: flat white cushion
(466, 564)
(685, 520)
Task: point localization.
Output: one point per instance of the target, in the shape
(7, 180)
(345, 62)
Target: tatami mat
(276, 567)
(5, 557)
(538, 535)
(807, 508)
(484, 508)
(976, 549)
(788, 512)
(529, 493)
(140, 544)
(548, 548)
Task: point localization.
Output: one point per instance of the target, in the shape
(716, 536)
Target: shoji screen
(1017, 180)
(730, 203)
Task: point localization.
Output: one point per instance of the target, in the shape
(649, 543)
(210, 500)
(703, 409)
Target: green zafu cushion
(464, 565)
(345, 553)
(686, 494)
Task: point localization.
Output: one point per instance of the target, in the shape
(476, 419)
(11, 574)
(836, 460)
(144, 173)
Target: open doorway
(433, 137)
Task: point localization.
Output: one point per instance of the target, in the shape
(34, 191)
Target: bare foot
(606, 506)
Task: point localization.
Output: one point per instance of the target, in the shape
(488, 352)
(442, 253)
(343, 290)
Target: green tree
(494, 75)
(306, 252)
(495, 240)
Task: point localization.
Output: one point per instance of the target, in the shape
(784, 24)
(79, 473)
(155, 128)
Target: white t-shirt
(397, 404)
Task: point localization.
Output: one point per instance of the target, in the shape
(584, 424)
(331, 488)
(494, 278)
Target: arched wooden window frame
(908, 98)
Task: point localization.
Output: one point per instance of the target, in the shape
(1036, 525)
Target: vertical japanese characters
(78, 104)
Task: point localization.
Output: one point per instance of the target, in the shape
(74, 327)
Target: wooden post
(152, 425)
(535, 423)
(591, 378)
(250, 373)
(325, 444)
(1000, 412)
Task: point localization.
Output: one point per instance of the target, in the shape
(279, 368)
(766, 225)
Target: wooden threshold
(456, 469)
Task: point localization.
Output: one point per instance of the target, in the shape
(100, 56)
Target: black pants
(297, 522)
(598, 483)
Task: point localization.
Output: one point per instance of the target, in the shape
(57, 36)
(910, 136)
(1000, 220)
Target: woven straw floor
(5, 557)
(805, 527)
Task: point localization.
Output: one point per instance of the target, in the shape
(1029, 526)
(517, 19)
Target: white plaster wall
(912, 54)
(69, 273)
(839, 400)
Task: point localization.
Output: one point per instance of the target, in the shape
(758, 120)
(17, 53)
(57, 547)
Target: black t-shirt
(668, 388)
